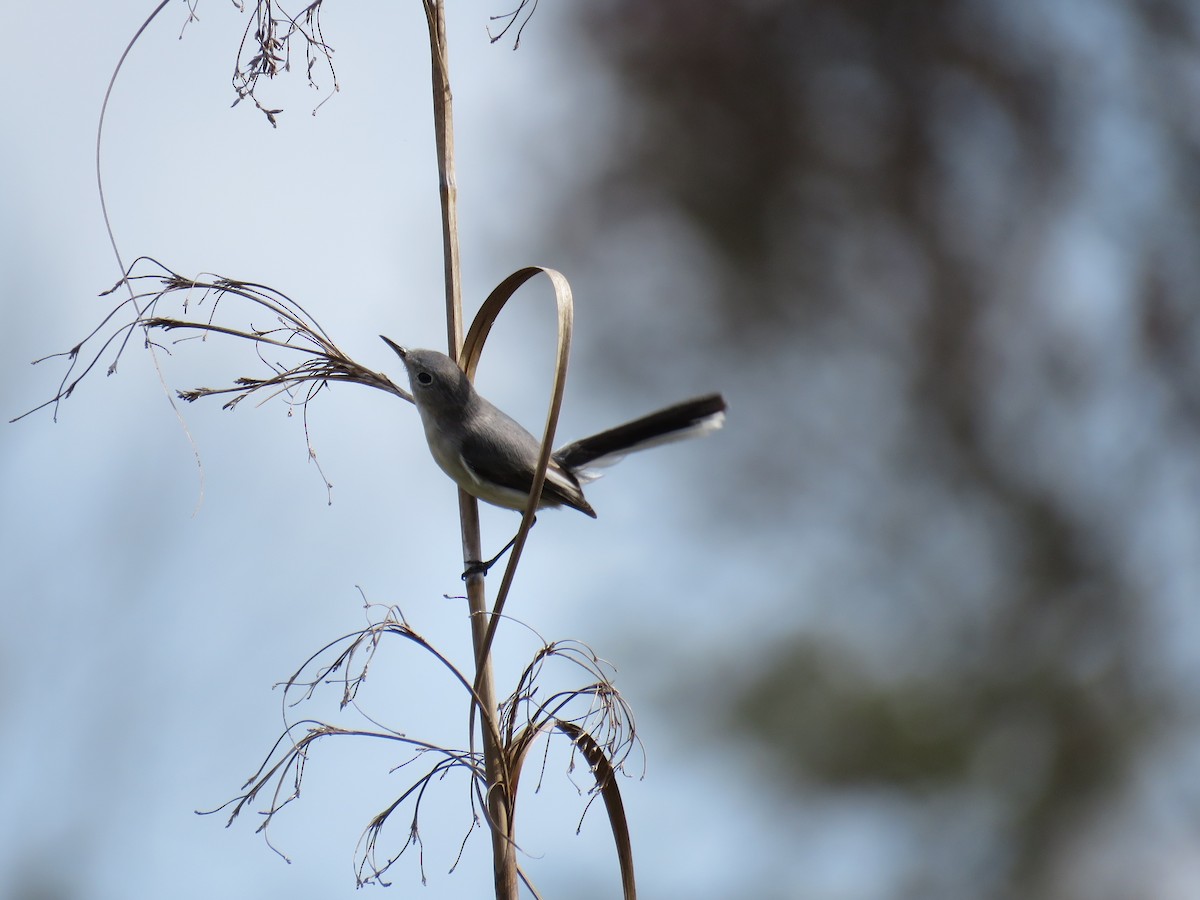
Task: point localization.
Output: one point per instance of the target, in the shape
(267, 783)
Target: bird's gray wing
(500, 451)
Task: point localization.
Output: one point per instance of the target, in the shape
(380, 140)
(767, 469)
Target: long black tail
(690, 418)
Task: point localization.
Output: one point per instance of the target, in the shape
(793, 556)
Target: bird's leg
(475, 567)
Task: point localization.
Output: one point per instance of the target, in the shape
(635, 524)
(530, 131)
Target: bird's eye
(424, 378)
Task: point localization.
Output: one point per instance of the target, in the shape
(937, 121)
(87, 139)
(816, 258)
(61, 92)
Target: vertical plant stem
(443, 127)
(497, 796)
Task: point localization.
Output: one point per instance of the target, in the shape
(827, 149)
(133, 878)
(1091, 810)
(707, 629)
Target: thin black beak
(400, 351)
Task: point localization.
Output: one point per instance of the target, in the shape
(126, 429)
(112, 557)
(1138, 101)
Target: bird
(494, 458)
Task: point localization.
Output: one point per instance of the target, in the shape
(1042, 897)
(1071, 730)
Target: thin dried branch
(519, 17)
(281, 773)
(362, 645)
(597, 709)
(164, 301)
(595, 718)
(266, 50)
(599, 723)
(371, 868)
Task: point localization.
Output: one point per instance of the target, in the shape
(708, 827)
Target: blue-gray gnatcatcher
(493, 458)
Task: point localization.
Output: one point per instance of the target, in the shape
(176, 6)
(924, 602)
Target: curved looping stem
(473, 349)
(484, 624)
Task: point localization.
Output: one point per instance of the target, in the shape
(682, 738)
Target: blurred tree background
(948, 252)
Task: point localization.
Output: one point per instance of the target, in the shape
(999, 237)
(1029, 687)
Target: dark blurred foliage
(953, 248)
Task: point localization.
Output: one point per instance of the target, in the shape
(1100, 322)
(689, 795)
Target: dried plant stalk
(595, 718)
